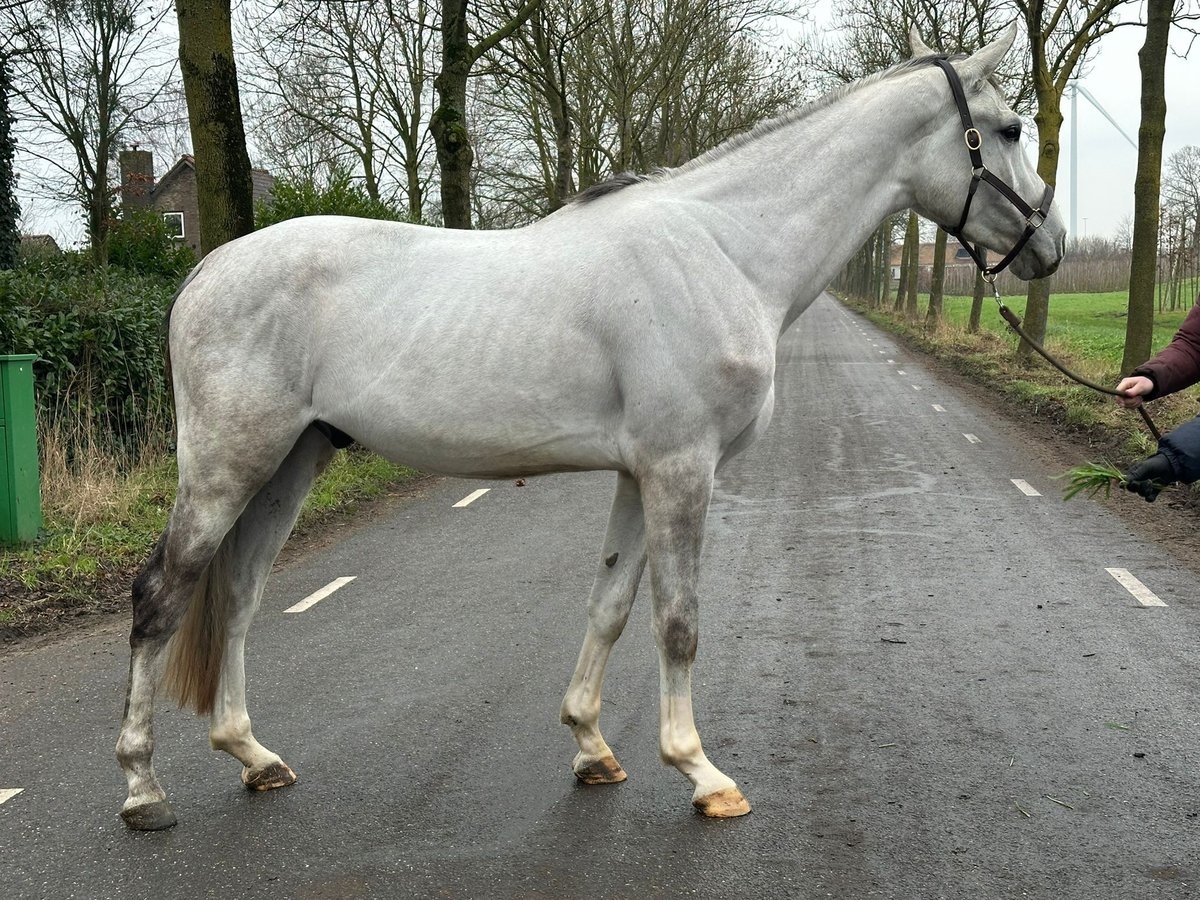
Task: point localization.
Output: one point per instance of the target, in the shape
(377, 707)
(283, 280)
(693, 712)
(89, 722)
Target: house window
(961, 253)
(174, 222)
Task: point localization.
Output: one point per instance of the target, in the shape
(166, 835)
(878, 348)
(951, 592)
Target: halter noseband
(974, 141)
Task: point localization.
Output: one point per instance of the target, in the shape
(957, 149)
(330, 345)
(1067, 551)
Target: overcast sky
(1106, 161)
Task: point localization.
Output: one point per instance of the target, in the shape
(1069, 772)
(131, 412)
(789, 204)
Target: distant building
(38, 246)
(174, 195)
(956, 255)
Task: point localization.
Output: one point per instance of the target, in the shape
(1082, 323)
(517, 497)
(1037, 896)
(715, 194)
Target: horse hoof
(276, 775)
(605, 770)
(149, 816)
(727, 803)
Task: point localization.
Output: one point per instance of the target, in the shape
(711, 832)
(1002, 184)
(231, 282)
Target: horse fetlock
(231, 735)
(681, 752)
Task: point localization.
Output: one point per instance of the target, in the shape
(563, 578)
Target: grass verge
(1086, 332)
(101, 523)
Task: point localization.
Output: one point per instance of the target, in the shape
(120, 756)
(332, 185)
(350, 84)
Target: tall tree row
(598, 87)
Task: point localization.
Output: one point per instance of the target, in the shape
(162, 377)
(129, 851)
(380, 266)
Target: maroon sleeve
(1177, 365)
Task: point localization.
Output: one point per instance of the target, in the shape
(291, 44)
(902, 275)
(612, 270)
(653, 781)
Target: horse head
(972, 173)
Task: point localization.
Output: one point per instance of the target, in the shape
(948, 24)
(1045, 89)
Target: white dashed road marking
(937, 407)
(972, 439)
(7, 794)
(1025, 487)
(471, 497)
(317, 596)
(916, 387)
(1141, 593)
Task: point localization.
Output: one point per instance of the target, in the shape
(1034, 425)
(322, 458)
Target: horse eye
(1012, 133)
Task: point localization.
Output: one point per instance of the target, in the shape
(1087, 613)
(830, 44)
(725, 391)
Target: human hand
(1133, 389)
(1150, 476)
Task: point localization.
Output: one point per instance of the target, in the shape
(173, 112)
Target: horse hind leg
(179, 577)
(259, 535)
(623, 559)
(184, 593)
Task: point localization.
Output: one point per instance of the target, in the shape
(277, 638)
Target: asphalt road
(903, 657)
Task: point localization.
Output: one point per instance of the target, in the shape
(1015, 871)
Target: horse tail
(196, 651)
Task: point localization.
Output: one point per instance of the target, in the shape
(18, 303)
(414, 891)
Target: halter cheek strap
(980, 173)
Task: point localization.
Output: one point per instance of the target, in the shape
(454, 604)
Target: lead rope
(1014, 322)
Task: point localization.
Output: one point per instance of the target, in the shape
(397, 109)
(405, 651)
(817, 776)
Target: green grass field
(1091, 326)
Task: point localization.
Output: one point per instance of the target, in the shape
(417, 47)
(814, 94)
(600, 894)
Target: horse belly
(481, 434)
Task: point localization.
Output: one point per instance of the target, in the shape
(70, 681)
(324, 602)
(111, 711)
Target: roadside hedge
(99, 336)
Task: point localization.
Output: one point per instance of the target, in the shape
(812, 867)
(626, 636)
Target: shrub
(99, 337)
(140, 242)
(301, 197)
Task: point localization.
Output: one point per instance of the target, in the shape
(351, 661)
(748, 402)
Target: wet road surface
(922, 675)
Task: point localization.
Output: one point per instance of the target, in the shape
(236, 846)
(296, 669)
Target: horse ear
(983, 62)
(918, 46)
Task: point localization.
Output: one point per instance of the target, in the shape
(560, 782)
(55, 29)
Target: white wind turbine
(1076, 89)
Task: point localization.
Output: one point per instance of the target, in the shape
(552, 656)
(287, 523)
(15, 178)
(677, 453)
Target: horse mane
(624, 179)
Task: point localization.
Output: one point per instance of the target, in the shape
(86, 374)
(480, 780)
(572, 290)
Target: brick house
(955, 256)
(174, 195)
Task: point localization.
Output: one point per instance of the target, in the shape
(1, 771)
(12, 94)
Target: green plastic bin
(20, 489)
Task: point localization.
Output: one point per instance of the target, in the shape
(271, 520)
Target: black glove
(1150, 476)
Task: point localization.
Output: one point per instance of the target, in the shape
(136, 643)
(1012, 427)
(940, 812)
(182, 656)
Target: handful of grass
(1092, 478)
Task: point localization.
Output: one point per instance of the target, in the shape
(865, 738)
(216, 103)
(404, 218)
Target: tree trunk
(933, 314)
(906, 263)
(10, 210)
(976, 303)
(914, 267)
(448, 123)
(224, 191)
(1139, 325)
(1049, 122)
(886, 264)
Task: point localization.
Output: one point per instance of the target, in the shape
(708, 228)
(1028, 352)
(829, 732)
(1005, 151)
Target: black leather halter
(974, 141)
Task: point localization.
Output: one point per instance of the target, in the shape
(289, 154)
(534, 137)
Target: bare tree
(449, 121)
(1061, 34)
(606, 86)
(1180, 225)
(83, 76)
(1139, 324)
(344, 86)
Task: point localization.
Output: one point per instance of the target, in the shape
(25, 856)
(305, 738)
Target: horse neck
(802, 198)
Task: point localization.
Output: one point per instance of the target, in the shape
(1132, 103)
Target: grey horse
(634, 330)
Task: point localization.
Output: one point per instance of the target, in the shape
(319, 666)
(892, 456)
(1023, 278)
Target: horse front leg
(622, 560)
(675, 499)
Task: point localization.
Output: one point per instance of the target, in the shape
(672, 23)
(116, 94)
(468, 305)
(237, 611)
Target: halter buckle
(973, 138)
(1036, 219)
